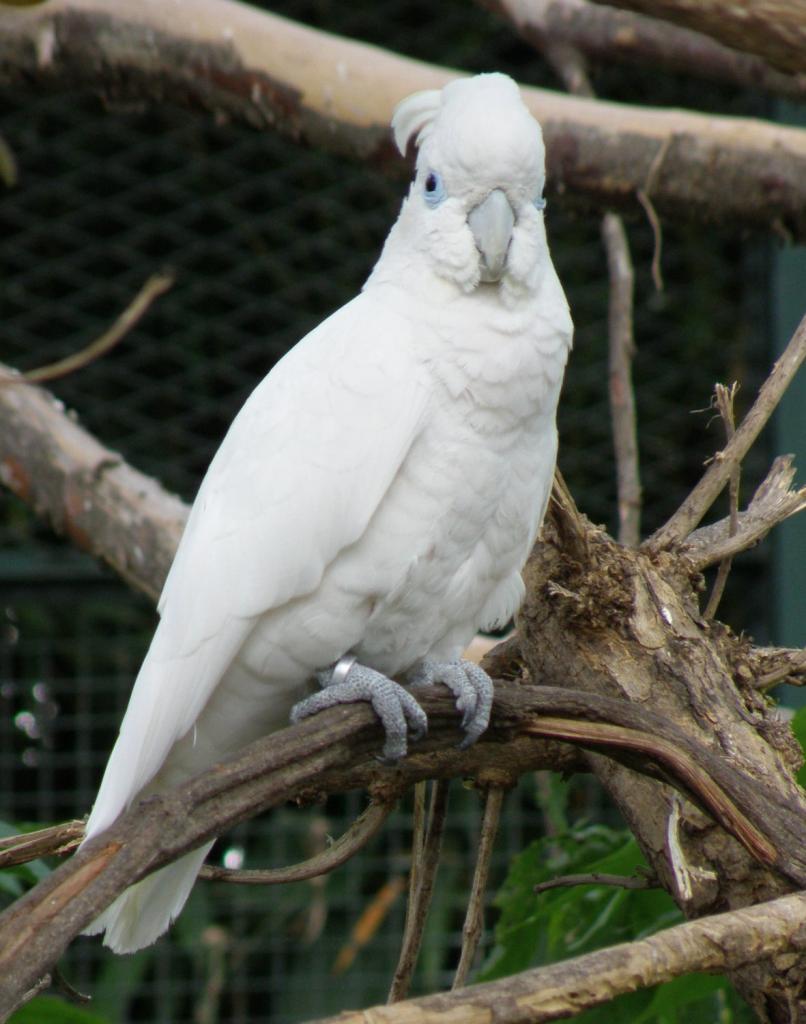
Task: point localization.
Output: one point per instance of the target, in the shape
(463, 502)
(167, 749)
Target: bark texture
(339, 95)
(629, 625)
(87, 492)
(334, 752)
(773, 29)
(732, 941)
(605, 34)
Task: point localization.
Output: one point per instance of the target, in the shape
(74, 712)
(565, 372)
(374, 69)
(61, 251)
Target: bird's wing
(296, 480)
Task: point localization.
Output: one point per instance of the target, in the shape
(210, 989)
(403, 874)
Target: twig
(569, 63)
(597, 878)
(419, 825)
(155, 286)
(474, 916)
(772, 503)
(622, 395)
(41, 985)
(643, 196)
(216, 943)
(55, 840)
(8, 164)
(354, 839)
(793, 664)
(418, 912)
(691, 512)
(69, 991)
(723, 399)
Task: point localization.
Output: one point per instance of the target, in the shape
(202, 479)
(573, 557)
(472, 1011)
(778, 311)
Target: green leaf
(567, 922)
(50, 1010)
(534, 930)
(798, 724)
(670, 999)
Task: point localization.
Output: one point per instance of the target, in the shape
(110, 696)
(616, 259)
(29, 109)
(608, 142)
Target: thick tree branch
(773, 29)
(332, 752)
(724, 942)
(339, 95)
(86, 491)
(605, 35)
(629, 624)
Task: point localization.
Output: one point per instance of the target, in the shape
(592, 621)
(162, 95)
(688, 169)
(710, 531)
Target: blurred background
(267, 238)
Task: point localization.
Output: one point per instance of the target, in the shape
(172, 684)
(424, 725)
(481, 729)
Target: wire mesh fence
(266, 239)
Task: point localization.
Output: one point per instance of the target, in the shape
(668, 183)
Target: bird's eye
(434, 189)
(540, 203)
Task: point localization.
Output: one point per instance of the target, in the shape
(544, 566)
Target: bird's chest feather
(461, 514)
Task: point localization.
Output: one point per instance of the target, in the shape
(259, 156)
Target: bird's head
(475, 207)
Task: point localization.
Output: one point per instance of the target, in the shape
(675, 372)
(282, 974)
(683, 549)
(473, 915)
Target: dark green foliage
(533, 930)
(50, 1010)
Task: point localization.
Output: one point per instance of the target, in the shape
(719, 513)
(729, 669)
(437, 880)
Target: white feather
(380, 490)
(412, 117)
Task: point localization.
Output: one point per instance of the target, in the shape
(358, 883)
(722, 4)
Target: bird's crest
(413, 117)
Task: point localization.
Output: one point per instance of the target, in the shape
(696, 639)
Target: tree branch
(719, 472)
(621, 348)
(53, 841)
(606, 35)
(569, 64)
(365, 826)
(332, 752)
(85, 491)
(155, 286)
(474, 916)
(629, 624)
(772, 665)
(339, 95)
(773, 502)
(421, 891)
(772, 29)
(724, 942)
(596, 878)
(723, 400)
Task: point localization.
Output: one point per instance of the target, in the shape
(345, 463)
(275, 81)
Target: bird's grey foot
(347, 682)
(471, 686)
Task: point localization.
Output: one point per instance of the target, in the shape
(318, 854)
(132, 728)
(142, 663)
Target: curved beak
(491, 223)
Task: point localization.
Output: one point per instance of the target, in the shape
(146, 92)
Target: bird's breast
(457, 522)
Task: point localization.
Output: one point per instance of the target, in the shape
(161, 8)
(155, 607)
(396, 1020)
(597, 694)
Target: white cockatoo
(374, 501)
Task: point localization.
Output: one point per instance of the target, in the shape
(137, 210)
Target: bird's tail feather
(145, 910)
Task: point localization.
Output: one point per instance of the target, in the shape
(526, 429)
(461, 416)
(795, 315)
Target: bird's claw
(471, 686)
(400, 714)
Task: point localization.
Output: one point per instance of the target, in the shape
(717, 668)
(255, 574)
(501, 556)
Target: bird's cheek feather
(452, 248)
